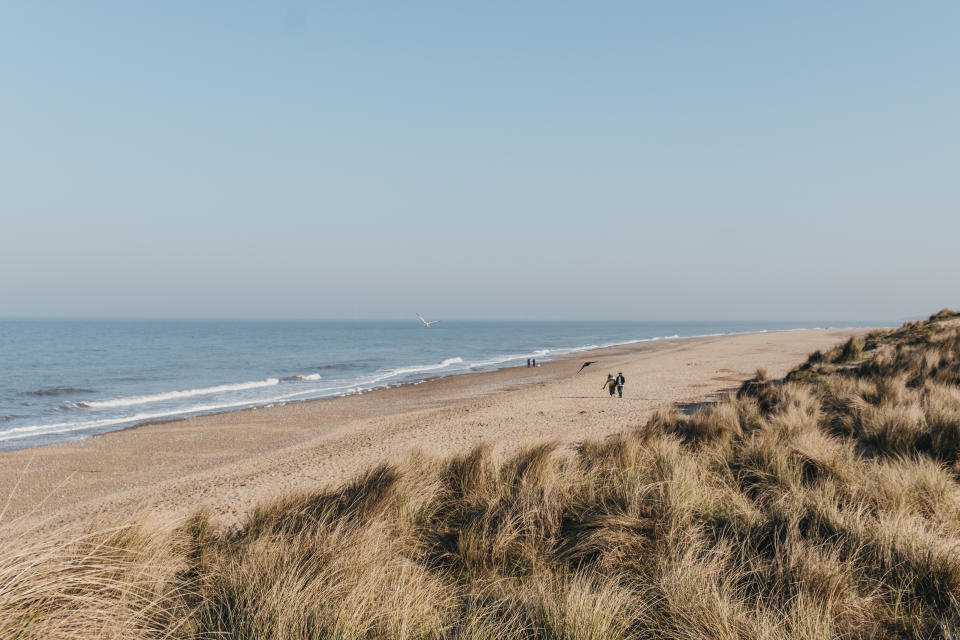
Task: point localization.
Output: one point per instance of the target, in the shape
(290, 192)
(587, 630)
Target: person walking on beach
(528, 363)
(611, 384)
(620, 381)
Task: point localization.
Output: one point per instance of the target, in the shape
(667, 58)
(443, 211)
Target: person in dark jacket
(620, 380)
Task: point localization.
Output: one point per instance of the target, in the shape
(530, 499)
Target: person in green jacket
(611, 384)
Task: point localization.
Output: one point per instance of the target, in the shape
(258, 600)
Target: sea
(64, 380)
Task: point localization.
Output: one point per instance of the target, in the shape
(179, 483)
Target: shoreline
(561, 355)
(229, 461)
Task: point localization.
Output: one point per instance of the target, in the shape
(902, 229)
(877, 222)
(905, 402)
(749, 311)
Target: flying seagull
(585, 365)
(425, 323)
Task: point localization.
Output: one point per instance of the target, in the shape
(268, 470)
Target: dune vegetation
(825, 505)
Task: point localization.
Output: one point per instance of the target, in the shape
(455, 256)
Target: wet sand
(228, 462)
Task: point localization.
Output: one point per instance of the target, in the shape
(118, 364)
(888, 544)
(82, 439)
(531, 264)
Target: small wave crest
(304, 378)
(172, 395)
(427, 367)
(406, 371)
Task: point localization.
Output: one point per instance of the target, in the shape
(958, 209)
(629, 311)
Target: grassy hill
(824, 506)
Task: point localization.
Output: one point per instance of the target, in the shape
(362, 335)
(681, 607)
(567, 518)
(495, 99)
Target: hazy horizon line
(66, 318)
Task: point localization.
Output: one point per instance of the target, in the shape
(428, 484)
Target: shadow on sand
(689, 408)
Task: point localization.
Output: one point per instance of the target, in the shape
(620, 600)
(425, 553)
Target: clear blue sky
(504, 160)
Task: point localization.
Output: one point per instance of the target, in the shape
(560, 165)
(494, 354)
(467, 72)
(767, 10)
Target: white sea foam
(406, 371)
(131, 401)
(66, 427)
(310, 377)
(426, 367)
(586, 347)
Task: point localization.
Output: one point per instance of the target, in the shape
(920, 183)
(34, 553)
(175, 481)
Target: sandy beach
(228, 462)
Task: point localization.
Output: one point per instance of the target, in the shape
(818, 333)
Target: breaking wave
(173, 395)
(310, 377)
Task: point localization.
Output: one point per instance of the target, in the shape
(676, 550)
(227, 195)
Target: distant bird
(425, 323)
(585, 365)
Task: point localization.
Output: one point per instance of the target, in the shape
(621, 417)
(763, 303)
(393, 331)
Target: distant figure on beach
(528, 363)
(534, 362)
(620, 381)
(611, 384)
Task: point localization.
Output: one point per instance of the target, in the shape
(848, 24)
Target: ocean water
(65, 380)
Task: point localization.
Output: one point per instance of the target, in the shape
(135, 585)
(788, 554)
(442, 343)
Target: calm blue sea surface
(65, 380)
